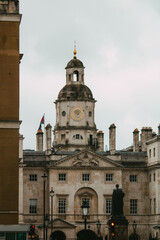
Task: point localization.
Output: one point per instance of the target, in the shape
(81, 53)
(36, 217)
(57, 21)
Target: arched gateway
(86, 235)
(58, 235)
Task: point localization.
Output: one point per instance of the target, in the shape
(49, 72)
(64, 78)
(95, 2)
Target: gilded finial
(75, 52)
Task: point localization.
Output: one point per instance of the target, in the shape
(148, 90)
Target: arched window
(76, 76)
(77, 136)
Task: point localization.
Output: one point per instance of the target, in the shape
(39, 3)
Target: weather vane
(75, 52)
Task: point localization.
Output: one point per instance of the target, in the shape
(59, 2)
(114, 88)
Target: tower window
(76, 76)
(63, 136)
(90, 114)
(77, 136)
(63, 113)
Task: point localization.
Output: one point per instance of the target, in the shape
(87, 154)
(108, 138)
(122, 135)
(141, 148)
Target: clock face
(77, 113)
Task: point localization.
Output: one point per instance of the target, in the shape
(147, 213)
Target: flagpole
(44, 132)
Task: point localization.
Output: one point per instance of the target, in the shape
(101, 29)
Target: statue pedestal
(120, 228)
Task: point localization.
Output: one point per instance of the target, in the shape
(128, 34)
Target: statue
(117, 201)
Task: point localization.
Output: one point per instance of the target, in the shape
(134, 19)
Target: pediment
(86, 158)
(60, 223)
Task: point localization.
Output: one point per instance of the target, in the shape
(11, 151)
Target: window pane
(86, 177)
(33, 177)
(62, 205)
(133, 178)
(62, 177)
(33, 205)
(109, 177)
(108, 205)
(133, 206)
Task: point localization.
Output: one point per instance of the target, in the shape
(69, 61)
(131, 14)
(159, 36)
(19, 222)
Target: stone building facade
(78, 168)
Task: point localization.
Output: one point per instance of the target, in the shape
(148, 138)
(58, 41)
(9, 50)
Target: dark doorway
(58, 235)
(86, 235)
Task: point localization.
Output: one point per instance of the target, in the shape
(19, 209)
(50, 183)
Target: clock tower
(75, 128)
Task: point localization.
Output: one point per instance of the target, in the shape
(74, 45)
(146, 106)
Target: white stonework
(78, 168)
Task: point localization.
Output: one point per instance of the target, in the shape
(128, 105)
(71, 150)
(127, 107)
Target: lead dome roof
(75, 63)
(75, 92)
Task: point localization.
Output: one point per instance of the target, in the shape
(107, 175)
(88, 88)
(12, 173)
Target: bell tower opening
(75, 76)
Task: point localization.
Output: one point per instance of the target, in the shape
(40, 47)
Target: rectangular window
(62, 205)
(33, 177)
(154, 177)
(33, 206)
(108, 205)
(154, 152)
(154, 206)
(63, 137)
(150, 206)
(133, 206)
(150, 153)
(150, 177)
(85, 177)
(133, 178)
(62, 177)
(109, 177)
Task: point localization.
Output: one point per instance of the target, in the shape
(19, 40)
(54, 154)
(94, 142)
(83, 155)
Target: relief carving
(85, 161)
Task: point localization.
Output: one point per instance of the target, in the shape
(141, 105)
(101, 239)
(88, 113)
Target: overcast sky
(118, 42)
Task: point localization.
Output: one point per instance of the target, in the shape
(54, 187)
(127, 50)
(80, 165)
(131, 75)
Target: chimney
(146, 134)
(48, 130)
(112, 139)
(100, 136)
(159, 129)
(136, 140)
(39, 140)
(9, 6)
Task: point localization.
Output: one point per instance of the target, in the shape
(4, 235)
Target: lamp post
(85, 211)
(46, 225)
(44, 176)
(134, 235)
(51, 195)
(99, 229)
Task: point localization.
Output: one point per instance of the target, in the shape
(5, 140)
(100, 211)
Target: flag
(41, 122)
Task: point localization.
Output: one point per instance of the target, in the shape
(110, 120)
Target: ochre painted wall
(9, 112)
(9, 70)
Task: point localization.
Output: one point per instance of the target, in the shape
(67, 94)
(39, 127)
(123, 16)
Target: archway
(86, 235)
(58, 235)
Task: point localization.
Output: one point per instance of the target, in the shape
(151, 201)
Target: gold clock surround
(77, 113)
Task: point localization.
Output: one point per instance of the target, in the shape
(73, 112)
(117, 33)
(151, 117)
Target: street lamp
(134, 225)
(85, 211)
(51, 193)
(99, 229)
(44, 176)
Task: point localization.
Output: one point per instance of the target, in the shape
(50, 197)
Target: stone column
(159, 129)
(48, 130)
(112, 139)
(136, 140)
(39, 140)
